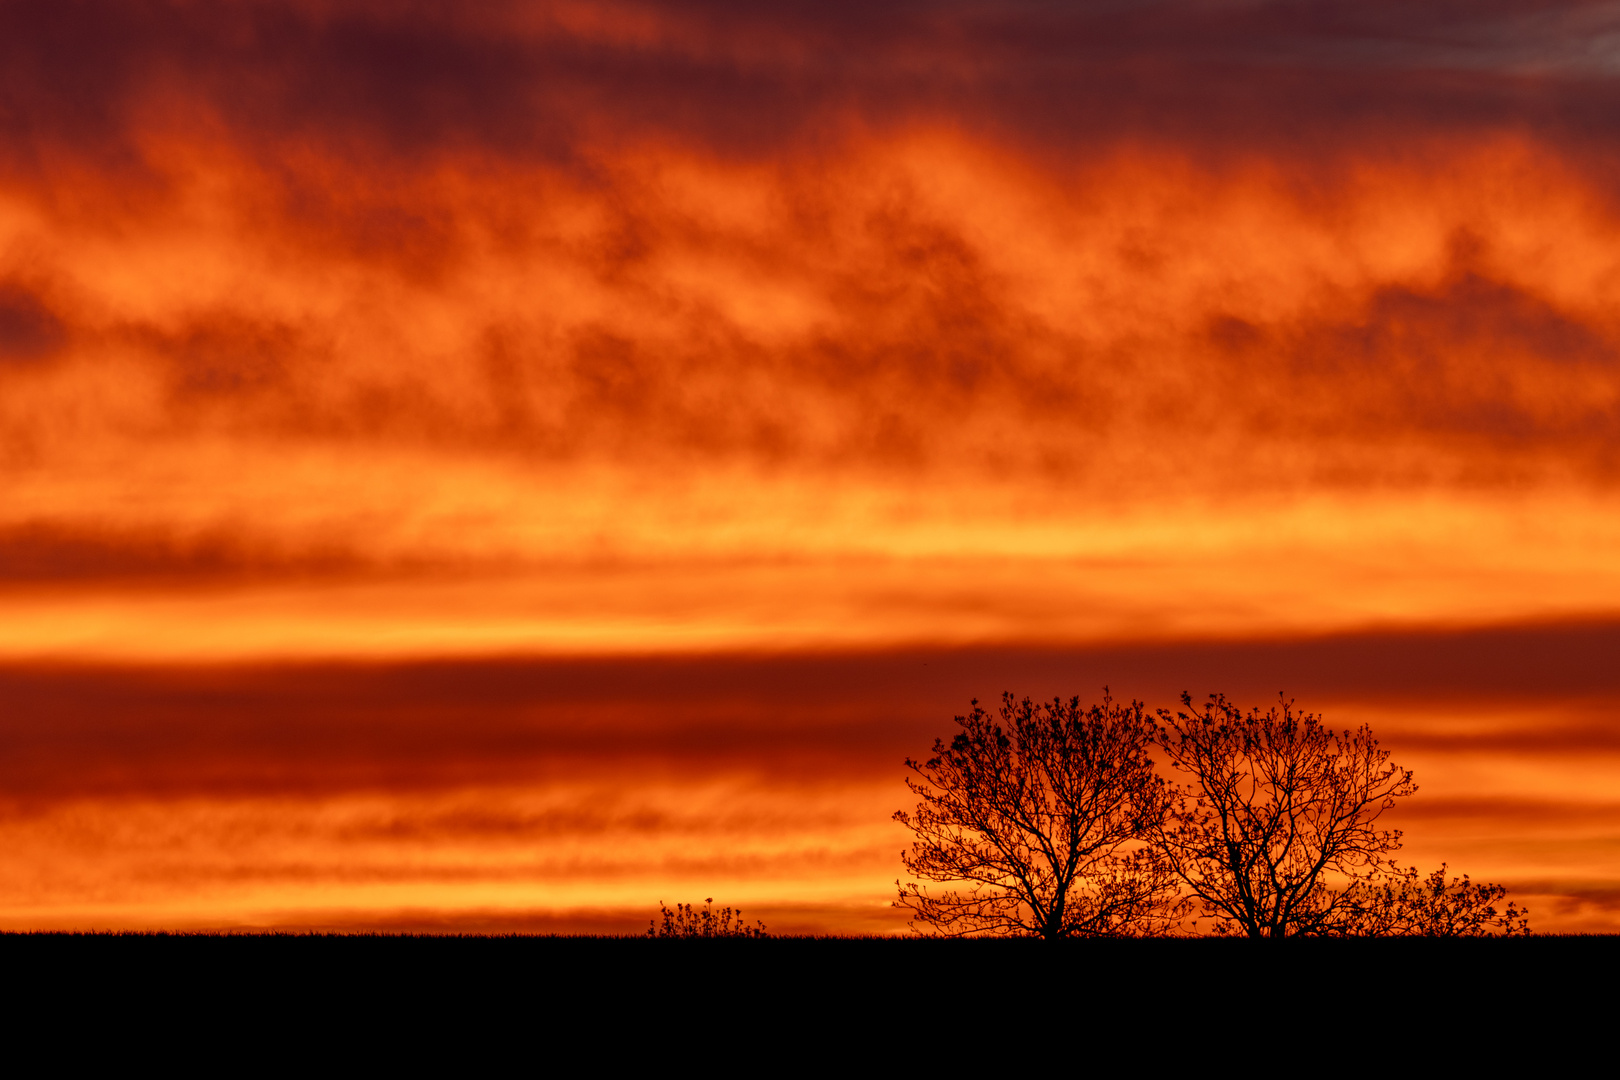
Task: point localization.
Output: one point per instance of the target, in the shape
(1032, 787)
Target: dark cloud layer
(48, 555)
(533, 81)
(324, 728)
(29, 330)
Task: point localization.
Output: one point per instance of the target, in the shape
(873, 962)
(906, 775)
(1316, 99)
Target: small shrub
(1406, 905)
(686, 921)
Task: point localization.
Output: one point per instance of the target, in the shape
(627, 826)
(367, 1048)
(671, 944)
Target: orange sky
(502, 470)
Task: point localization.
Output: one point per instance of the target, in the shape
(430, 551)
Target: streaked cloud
(499, 792)
(492, 463)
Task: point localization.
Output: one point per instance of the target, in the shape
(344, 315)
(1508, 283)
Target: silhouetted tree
(686, 922)
(1276, 833)
(1403, 906)
(1038, 817)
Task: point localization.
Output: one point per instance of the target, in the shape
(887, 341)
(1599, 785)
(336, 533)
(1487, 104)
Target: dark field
(392, 963)
(483, 1003)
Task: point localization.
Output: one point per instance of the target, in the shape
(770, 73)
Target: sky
(502, 466)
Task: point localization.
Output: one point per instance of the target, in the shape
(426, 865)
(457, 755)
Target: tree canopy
(1037, 816)
(1049, 820)
(1275, 832)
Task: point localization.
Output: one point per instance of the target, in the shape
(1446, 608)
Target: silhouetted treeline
(1052, 820)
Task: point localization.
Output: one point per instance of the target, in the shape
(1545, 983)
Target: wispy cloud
(432, 405)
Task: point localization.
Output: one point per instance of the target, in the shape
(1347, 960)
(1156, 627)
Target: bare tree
(1038, 818)
(1402, 905)
(1276, 834)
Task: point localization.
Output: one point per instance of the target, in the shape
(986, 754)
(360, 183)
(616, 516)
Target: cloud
(260, 729)
(539, 81)
(29, 331)
(400, 330)
(910, 306)
(508, 794)
(1521, 814)
(1014, 239)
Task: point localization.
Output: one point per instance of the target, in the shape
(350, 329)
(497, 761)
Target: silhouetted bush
(687, 922)
(1402, 905)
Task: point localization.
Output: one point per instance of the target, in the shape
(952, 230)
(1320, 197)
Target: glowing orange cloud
(561, 794)
(1134, 397)
(338, 339)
